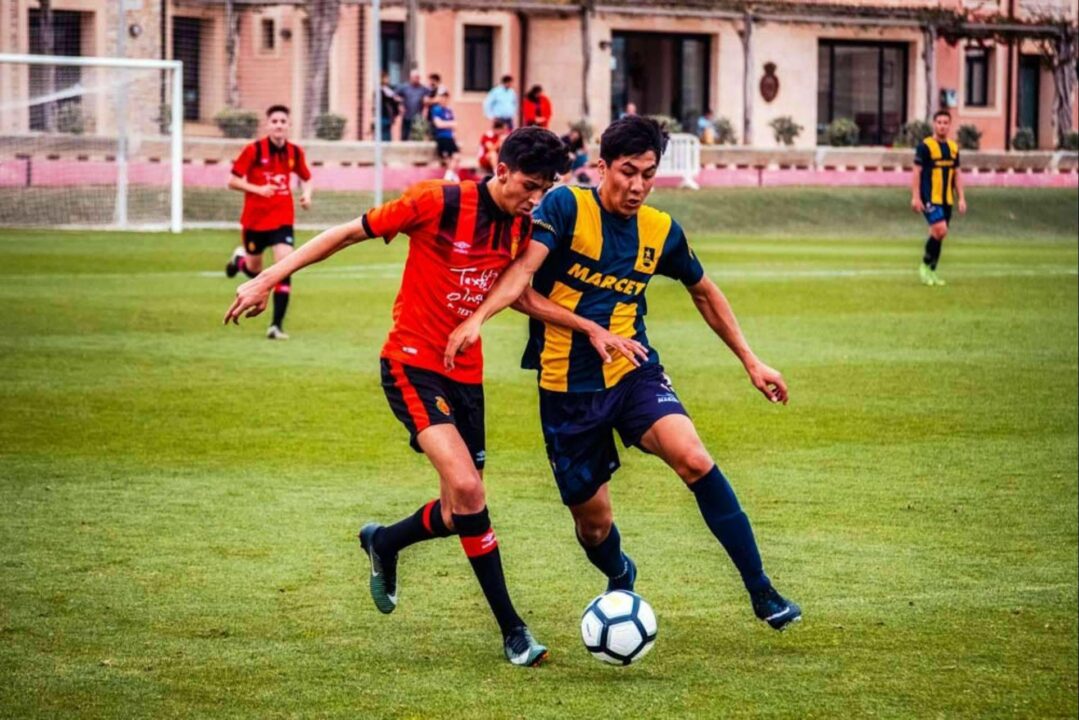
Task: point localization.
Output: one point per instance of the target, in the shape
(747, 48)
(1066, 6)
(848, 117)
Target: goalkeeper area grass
(179, 500)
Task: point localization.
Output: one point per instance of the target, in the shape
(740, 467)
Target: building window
(66, 40)
(393, 52)
(187, 47)
(864, 82)
(267, 35)
(977, 66)
(479, 58)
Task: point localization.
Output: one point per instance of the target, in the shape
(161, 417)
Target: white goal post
(124, 118)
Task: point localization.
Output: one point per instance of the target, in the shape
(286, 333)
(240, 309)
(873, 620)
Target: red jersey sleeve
(242, 164)
(301, 168)
(421, 205)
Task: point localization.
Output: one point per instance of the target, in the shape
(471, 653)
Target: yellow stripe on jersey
(953, 153)
(623, 321)
(588, 230)
(653, 226)
(557, 342)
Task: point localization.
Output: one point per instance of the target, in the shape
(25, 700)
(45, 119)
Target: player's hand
(768, 381)
(251, 299)
(305, 201)
(917, 205)
(605, 342)
(962, 206)
(462, 338)
(266, 191)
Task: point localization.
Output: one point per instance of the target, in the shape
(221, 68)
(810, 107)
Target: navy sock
(607, 556)
(932, 252)
(481, 547)
(424, 524)
(729, 524)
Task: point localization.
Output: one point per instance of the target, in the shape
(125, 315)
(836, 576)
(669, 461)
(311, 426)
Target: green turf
(179, 500)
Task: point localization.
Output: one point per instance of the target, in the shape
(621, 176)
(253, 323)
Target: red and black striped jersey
(263, 163)
(460, 241)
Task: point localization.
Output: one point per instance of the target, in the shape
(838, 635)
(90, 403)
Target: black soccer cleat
(383, 571)
(774, 609)
(233, 265)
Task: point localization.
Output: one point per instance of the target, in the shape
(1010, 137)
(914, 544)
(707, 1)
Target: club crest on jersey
(649, 256)
(442, 405)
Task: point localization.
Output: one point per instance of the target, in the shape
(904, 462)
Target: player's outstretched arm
(716, 311)
(252, 296)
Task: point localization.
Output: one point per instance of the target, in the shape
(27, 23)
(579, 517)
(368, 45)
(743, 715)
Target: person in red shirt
(536, 108)
(490, 144)
(263, 173)
(461, 237)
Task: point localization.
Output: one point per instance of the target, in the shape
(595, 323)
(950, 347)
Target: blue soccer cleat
(522, 649)
(383, 571)
(774, 609)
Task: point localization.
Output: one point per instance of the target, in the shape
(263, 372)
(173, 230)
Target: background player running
(263, 173)
(462, 236)
(935, 186)
(594, 251)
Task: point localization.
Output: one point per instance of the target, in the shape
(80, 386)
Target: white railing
(682, 159)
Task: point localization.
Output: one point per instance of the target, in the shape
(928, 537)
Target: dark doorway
(66, 40)
(393, 52)
(662, 74)
(863, 82)
(187, 48)
(1029, 92)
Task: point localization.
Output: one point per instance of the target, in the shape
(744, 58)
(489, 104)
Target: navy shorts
(935, 213)
(255, 241)
(578, 428)
(422, 398)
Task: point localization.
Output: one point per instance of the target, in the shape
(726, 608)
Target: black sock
(242, 263)
(729, 524)
(281, 294)
(481, 547)
(424, 524)
(607, 556)
(932, 252)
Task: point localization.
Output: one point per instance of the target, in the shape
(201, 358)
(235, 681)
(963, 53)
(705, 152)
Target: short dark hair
(945, 113)
(498, 124)
(534, 151)
(277, 108)
(507, 78)
(435, 76)
(632, 135)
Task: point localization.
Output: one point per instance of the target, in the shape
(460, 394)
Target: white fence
(682, 159)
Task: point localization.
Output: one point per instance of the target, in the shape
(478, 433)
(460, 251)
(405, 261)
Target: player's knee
(938, 233)
(694, 464)
(468, 494)
(594, 530)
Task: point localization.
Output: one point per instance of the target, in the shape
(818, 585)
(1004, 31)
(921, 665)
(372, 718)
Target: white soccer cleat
(276, 333)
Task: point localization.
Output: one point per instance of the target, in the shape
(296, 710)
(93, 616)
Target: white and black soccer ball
(619, 627)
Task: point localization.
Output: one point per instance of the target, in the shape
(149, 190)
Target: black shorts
(447, 147)
(255, 241)
(422, 398)
(578, 427)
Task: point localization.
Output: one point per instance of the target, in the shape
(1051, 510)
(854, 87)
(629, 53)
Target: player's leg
(597, 534)
(247, 257)
(580, 447)
(675, 440)
(282, 248)
(938, 230)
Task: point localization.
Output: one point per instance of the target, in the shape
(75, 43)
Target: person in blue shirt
(445, 122)
(594, 252)
(501, 103)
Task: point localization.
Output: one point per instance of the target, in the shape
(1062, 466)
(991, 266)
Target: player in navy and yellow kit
(936, 186)
(594, 252)
(461, 237)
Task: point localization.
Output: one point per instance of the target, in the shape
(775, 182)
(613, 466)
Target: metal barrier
(682, 160)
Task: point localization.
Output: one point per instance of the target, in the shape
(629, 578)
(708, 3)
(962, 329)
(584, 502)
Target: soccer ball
(619, 627)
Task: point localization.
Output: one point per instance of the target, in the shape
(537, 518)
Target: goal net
(90, 142)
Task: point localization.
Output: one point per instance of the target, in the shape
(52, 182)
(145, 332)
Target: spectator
(536, 108)
(631, 109)
(434, 89)
(412, 94)
(444, 122)
(490, 144)
(574, 143)
(706, 128)
(391, 107)
(501, 102)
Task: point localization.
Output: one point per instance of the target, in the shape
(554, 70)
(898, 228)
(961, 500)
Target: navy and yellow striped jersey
(598, 267)
(939, 163)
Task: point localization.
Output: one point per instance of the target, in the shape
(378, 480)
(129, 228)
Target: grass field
(179, 500)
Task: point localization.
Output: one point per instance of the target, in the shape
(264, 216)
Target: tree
(232, 29)
(411, 17)
(1061, 53)
(323, 16)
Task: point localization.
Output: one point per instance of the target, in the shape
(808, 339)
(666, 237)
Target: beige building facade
(862, 61)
